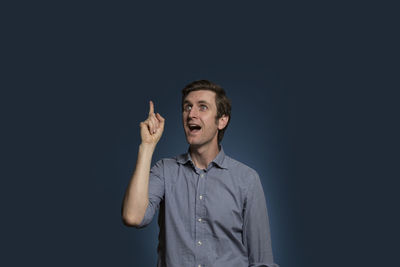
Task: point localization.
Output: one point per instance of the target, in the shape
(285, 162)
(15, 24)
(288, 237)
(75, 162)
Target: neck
(203, 155)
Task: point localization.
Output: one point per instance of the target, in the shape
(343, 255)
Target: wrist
(148, 147)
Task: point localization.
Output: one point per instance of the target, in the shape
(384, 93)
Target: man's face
(199, 113)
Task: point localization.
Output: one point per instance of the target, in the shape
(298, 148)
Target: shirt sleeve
(256, 232)
(156, 192)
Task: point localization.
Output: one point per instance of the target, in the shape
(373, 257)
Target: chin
(193, 141)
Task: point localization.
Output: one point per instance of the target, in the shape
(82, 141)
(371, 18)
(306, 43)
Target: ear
(222, 122)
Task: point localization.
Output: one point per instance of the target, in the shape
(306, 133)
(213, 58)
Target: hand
(152, 128)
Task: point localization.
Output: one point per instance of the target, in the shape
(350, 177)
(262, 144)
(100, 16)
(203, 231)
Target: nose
(193, 113)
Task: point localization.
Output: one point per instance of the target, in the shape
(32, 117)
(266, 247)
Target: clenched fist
(152, 128)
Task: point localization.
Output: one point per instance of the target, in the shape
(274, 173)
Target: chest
(215, 196)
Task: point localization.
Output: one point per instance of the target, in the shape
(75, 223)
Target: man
(212, 207)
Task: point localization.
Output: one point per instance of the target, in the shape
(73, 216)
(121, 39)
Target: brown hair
(221, 100)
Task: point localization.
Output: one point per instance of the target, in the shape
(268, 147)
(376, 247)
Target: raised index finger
(151, 111)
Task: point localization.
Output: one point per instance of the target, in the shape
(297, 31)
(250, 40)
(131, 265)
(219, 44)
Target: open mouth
(193, 128)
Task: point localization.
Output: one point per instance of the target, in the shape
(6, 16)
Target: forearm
(136, 196)
(256, 227)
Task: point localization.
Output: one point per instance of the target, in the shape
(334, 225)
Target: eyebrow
(198, 102)
(203, 102)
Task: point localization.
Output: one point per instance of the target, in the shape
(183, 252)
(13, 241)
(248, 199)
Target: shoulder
(239, 167)
(168, 164)
(241, 171)
(167, 161)
(168, 169)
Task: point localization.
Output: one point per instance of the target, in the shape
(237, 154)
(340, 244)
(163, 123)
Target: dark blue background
(77, 78)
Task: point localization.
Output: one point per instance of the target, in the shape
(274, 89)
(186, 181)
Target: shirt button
(199, 243)
(199, 219)
(201, 196)
(202, 175)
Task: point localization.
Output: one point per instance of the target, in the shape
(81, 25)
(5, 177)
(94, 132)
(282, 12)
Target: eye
(187, 108)
(203, 107)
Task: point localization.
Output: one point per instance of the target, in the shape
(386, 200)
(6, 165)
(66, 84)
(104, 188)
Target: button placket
(200, 213)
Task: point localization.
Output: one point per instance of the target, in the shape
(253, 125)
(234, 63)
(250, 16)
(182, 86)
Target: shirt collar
(219, 159)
